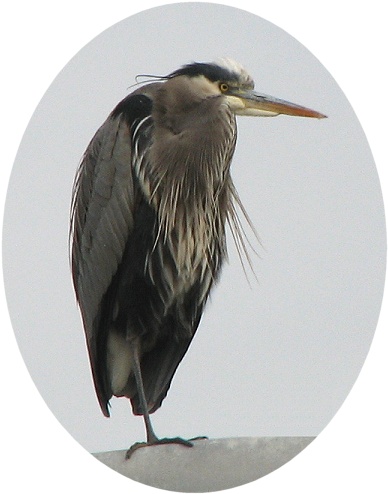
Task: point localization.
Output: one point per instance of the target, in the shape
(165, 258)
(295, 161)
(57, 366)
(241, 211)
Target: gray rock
(211, 465)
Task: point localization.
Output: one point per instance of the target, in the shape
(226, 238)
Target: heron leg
(152, 438)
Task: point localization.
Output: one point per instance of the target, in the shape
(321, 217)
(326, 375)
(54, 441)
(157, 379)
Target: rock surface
(211, 465)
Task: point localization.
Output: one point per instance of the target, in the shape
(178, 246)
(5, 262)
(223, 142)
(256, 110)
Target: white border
(39, 38)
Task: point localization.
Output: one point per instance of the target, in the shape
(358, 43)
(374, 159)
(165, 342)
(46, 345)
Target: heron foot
(164, 440)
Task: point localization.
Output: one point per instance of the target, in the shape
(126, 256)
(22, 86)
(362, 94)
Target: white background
(350, 47)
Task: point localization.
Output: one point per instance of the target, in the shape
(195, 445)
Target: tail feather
(158, 368)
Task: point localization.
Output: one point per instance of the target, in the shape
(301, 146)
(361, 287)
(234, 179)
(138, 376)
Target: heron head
(229, 79)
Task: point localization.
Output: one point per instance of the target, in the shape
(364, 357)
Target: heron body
(151, 201)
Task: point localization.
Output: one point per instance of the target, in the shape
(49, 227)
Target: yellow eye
(224, 87)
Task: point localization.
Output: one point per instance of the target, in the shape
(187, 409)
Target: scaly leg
(152, 439)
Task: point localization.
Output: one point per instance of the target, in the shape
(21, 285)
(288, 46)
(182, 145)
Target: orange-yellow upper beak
(250, 103)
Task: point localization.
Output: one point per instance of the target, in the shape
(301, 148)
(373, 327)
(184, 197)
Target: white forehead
(236, 68)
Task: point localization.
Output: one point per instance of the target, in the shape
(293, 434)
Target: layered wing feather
(102, 219)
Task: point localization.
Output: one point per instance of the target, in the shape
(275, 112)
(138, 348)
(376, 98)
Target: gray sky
(276, 358)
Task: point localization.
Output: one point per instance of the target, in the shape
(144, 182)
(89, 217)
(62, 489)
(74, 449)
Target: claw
(133, 448)
(164, 440)
(197, 438)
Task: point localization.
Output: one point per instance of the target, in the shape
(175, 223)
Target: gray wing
(101, 221)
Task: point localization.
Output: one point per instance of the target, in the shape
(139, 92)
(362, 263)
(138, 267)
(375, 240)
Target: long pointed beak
(250, 103)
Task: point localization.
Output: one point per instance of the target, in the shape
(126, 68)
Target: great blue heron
(151, 200)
